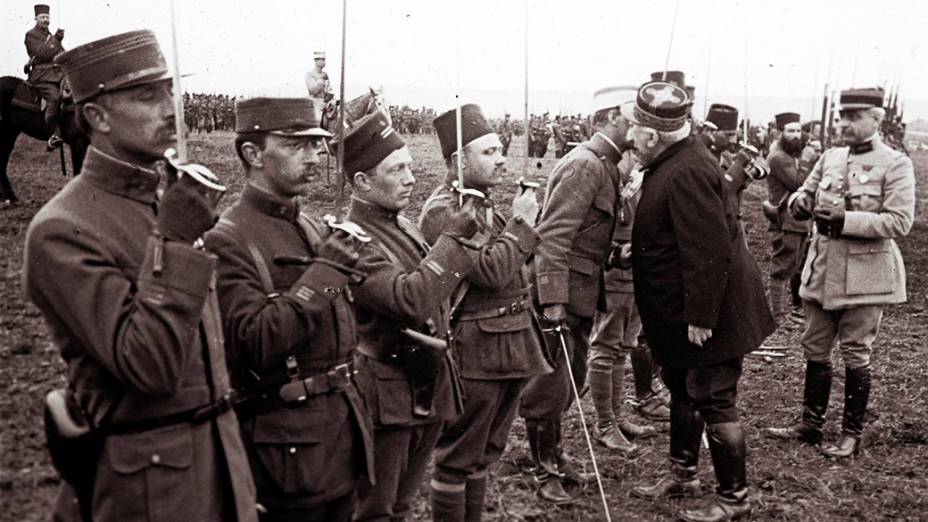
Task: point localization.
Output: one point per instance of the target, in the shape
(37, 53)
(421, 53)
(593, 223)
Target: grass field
(788, 482)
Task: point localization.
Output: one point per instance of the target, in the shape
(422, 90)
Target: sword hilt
(352, 229)
(199, 173)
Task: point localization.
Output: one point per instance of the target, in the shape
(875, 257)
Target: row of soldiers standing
(209, 112)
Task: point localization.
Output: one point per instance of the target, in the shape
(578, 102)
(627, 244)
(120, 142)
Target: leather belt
(193, 416)
(515, 308)
(336, 379)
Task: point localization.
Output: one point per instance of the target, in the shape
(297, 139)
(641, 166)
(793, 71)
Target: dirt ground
(788, 482)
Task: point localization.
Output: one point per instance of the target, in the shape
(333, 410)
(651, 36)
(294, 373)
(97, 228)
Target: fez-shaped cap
(675, 77)
(113, 63)
(41, 9)
(611, 97)
(369, 142)
(857, 99)
(319, 55)
(473, 126)
(725, 117)
(660, 105)
(281, 116)
(785, 118)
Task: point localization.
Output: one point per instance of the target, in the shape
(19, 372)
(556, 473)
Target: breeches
(711, 390)
(615, 333)
(854, 328)
(548, 396)
(788, 253)
(400, 459)
(477, 438)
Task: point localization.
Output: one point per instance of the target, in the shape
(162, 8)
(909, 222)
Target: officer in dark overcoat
(42, 46)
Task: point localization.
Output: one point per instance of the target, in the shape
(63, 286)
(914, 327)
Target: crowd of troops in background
(209, 112)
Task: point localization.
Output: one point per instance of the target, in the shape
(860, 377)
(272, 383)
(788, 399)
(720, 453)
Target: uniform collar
(667, 153)
(603, 146)
(864, 146)
(120, 177)
(361, 210)
(270, 204)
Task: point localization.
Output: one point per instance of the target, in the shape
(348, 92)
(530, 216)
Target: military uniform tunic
(407, 285)
(494, 335)
(303, 454)
(862, 270)
(137, 322)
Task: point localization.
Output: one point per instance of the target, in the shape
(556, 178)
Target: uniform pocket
(155, 467)
(505, 323)
(394, 394)
(871, 267)
(866, 197)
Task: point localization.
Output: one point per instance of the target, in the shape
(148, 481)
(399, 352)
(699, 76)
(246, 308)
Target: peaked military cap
(677, 78)
(611, 97)
(41, 9)
(725, 117)
(280, 116)
(113, 63)
(662, 106)
(319, 55)
(473, 126)
(865, 98)
(368, 143)
(785, 118)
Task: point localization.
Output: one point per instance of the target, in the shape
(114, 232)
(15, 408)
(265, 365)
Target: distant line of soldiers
(209, 112)
(407, 120)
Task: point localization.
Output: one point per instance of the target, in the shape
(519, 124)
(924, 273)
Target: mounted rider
(44, 76)
(317, 83)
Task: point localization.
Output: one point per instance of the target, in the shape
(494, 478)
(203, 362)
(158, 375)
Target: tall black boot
(856, 397)
(815, 404)
(729, 451)
(686, 428)
(542, 439)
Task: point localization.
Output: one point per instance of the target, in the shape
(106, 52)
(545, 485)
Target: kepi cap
(724, 117)
(369, 142)
(861, 98)
(473, 126)
(319, 55)
(611, 97)
(280, 116)
(662, 106)
(113, 63)
(785, 118)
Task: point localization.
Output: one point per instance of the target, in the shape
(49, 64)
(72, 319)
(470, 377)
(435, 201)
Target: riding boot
(815, 404)
(602, 378)
(566, 464)
(856, 396)
(542, 440)
(642, 371)
(778, 300)
(625, 425)
(686, 429)
(473, 500)
(728, 450)
(448, 502)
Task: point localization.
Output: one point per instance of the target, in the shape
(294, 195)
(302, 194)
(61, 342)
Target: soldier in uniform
(43, 74)
(317, 83)
(127, 291)
(576, 227)
(700, 296)
(788, 235)
(494, 333)
(410, 385)
(861, 196)
(505, 133)
(289, 324)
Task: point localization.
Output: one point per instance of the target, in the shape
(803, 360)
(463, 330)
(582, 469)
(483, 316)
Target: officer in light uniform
(317, 83)
(861, 196)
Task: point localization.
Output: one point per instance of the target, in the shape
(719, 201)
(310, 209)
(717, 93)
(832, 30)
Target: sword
(560, 328)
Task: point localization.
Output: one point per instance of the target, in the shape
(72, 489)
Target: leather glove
(620, 257)
(184, 214)
(59, 35)
(830, 220)
(340, 248)
(461, 225)
(801, 208)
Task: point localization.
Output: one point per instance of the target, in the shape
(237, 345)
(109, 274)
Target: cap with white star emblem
(663, 106)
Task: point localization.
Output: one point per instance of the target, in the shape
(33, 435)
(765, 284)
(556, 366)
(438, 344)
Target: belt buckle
(342, 375)
(516, 308)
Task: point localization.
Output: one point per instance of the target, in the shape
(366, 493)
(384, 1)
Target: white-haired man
(862, 196)
(700, 296)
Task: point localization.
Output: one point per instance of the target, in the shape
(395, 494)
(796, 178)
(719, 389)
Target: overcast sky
(760, 56)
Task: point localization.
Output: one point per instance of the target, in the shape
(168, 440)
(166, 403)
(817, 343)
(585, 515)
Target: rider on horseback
(317, 83)
(44, 76)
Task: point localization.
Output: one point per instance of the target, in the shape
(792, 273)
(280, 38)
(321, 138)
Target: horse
(21, 112)
(355, 109)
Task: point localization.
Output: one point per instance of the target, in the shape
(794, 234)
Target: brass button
(292, 450)
(155, 458)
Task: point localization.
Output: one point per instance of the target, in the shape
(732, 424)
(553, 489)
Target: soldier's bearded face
(484, 163)
(139, 121)
(43, 20)
(792, 137)
(391, 184)
(289, 164)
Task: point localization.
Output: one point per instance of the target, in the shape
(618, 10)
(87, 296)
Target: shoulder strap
(313, 235)
(231, 228)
